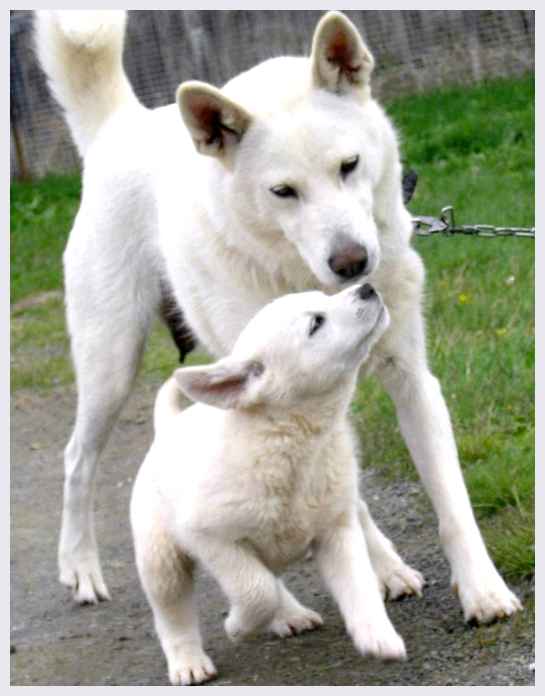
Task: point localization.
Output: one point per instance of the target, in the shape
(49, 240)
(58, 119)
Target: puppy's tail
(168, 403)
(81, 53)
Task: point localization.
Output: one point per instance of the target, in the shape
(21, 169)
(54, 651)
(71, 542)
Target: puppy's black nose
(349, 262)
(366, 291)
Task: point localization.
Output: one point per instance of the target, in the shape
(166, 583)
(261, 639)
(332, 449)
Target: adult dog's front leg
(426, 427)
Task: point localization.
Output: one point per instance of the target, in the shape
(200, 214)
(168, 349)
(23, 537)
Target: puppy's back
(169, 402)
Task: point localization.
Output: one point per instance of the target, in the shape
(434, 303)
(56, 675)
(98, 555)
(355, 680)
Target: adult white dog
(263, 468)
(286, 179)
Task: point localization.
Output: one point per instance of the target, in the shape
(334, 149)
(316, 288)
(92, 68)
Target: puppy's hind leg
(167, 578)
(396, 578)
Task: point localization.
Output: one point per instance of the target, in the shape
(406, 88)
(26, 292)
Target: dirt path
(56, 643)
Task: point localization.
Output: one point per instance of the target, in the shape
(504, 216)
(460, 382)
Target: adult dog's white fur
(238, 196)
(249, 489)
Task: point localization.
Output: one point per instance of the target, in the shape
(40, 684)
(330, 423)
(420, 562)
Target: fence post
(23, 172)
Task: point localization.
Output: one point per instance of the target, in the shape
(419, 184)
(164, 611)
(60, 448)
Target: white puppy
(257, 473)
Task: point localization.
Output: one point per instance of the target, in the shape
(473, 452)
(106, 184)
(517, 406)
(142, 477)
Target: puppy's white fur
(249, 489)
(196, 205)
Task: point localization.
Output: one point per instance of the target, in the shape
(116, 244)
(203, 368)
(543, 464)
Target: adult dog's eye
(316, 321)
(284, 191)
(349, 165)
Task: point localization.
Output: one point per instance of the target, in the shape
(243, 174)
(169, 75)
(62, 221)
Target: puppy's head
(298, 347)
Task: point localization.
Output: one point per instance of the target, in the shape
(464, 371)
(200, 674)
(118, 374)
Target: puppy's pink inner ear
(221, 390)
(228, 387)
(223, 384)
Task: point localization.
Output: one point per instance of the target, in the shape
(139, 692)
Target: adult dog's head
(304, 154)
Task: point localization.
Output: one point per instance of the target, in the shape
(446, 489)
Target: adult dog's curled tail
(81, 54)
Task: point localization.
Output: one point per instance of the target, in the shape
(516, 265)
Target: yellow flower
(464, 298)
(501, 332)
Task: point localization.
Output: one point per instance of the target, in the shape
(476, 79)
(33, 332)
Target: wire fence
(414, 51)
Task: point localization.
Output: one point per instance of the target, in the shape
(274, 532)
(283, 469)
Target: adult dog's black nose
(349, 262)
(366, 291)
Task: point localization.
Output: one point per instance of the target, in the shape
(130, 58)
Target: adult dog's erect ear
(341, 62)
(225, 384)
(216, 123)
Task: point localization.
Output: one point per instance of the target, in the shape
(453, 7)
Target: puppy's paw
(186, 668)
(245, 621)
(288, 623)
(378, 640)
(487, 599)
(239, 628)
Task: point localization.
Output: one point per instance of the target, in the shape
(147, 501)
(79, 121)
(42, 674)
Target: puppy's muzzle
(366, 291)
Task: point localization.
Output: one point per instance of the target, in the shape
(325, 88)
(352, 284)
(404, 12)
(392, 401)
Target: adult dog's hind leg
(104, 383)
(107, 338)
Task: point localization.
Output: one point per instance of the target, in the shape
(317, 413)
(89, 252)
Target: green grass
(41, 217)
(473, 148)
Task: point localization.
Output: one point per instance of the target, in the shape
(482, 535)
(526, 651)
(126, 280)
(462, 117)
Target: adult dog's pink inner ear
(218, 126)
(341, 52)
(207, 117)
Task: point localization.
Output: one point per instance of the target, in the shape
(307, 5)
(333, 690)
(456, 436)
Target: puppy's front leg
(344, 563)
(251, 588)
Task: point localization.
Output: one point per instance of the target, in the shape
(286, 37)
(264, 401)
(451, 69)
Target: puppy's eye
(284, 191)
(349, 165)
(316, 321)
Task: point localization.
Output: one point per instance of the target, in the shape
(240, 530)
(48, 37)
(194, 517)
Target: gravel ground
(54, 642)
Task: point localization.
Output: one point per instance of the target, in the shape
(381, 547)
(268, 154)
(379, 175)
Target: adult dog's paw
(291, 623)
(84, 577)
(487, 599)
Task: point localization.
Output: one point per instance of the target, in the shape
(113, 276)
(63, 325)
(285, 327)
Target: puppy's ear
(216, 123)
(341, 63)
(227, 383)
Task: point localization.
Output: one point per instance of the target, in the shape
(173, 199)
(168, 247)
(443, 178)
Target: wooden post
(23, 171)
